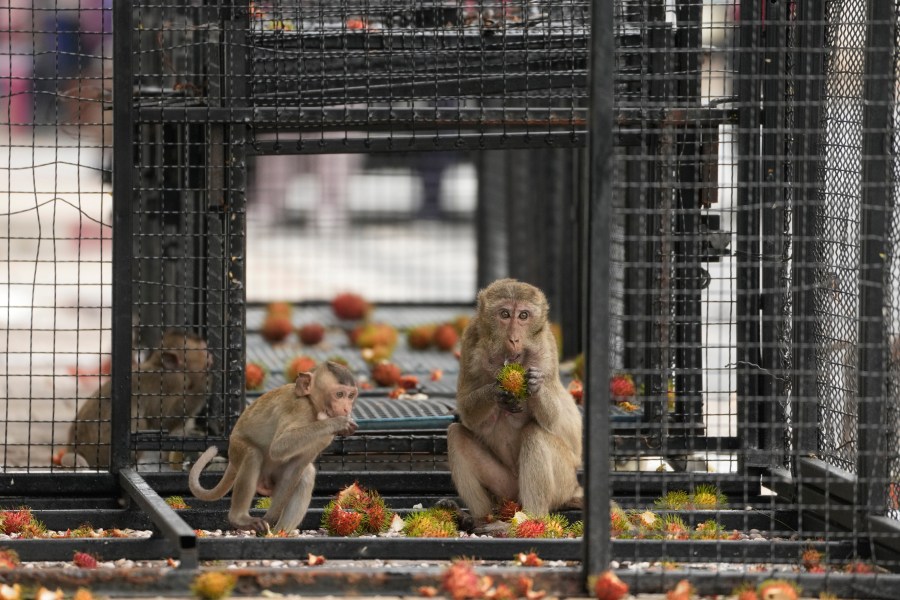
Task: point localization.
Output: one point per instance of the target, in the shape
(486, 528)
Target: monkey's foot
(490, 528)
(250, 523)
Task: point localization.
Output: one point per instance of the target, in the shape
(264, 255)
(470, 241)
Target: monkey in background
(274, 443)
(168, 389)
(503, 449)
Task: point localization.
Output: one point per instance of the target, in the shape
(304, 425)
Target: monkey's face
(339, 400)
(515, 321)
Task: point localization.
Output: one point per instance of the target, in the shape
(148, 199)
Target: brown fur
(273, 445)
(167, 391)
(530, 456)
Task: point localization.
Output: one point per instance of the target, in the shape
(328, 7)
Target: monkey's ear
(303, 384)
(170, 360)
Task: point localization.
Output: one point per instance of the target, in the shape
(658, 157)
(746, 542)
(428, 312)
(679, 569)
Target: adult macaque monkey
(502, 448)
(168, 389)
(273, 445)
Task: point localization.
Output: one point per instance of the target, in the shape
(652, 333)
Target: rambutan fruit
(530, 528)
(575, 530)
(372, 335)
(213, 585)
(420, 337)
(745, 591)
(386, 374)
(9, 559)
(432, 522)
(314, 560)
(254, 376)
(576, 389)
(279, 309)
(276, 328)
(176, 502)
(341, 522)
(350, 307)
(608, 586)
(621, 386)
(377, 354)
(408, 382)
(508, 508)
(530, 559)
(707, 497)
(512, 379)
(297, 365)
(709, 530)
(683, 590)
(619, 523)
(437, 374)
(15, 521)
(311, 333)
(461, 582)
(777, 589)
(673, 500)
(445, 337)
(84, 560)
(811, 559)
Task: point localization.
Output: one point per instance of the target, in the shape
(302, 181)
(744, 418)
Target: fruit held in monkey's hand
(254, 376)
(276, 328)
(512, 379)
(311, 333)
(608, 586)
(445, 337)
(420, 336)
(350, 307)
(298, 364)
(386, 374)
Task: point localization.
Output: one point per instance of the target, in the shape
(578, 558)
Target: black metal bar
(491, 240)
(123, 207)
(179, 533)
(810, 60)
(597, 283)
(876, 212)
(413, 140)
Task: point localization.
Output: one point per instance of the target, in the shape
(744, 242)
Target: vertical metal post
(809, 96)
(123, 171)
(597, 545)
(490, 239)
(877, 208)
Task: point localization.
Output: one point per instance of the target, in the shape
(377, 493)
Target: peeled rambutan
(254, 376)
(386, 374)
(508, 508)
(311, 333)
(276, 328)
(445, 337)
(408, 382)
(577, 390)
(350, 307)
(298, 364)
(512, 379)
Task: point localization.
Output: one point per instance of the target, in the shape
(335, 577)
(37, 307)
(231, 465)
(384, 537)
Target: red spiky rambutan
(15, 521)
(254, 376)
(298, 364)
(530, 559)
(343, 522)
(386, 374)
(276, 328)
(508, 509)
(279, 309)
(622, 386)
(311, 333)
(84, 560)
(350, 307)
(777, 589)
(408, 382)
(530, 528)
(9, 559)
(445, 337)
(501, 592)
(683, 590)
(811, 558)
(608, 586)
(745, 592)
(461, 582)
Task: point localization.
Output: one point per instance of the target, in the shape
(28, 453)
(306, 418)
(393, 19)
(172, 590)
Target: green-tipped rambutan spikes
(512, 379)
(707, 496)
(355, 511)
(674, 500)
(431, 522)
(548, 526)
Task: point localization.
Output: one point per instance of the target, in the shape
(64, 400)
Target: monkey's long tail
(194, 477)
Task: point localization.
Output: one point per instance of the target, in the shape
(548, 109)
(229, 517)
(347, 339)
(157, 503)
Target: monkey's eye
(523, 315)
(340, 394)
(504, 314)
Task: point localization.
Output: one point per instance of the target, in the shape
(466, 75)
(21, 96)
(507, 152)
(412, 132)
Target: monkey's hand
(535, 379)
(508, 402)
(349, 426)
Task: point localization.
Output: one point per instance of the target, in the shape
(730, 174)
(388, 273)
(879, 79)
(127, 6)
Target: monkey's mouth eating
(512, 359)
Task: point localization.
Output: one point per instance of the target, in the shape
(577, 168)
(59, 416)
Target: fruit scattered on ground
(276, 328)
(350, 307)
(608, 586)
(445, 337)
(297, 365)
(213, 585)
(254, 376)
(311, 333)
(420, 337)
(386, 374)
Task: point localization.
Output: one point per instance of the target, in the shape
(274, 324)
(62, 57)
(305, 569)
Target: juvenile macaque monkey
(274, 443)
(503, 448)
(167, 390)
